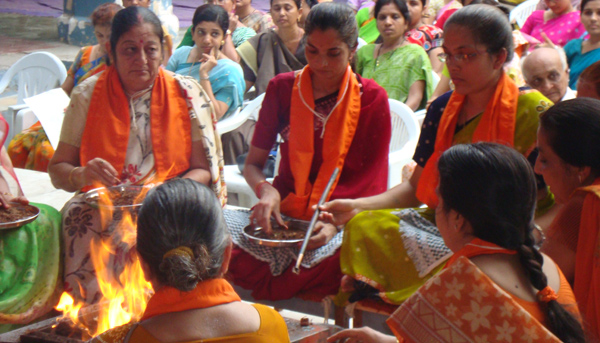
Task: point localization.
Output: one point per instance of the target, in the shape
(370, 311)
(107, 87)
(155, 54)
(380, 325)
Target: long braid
(560, 321)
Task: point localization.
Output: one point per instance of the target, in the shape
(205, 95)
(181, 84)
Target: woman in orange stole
(185, 249)
(132, 124)
(328, 117)
(496, 286)
(486, 106)
(569, 160)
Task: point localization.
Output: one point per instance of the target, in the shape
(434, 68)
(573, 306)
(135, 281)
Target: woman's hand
(267, 206)
(233, 22)
(209, 61)
(339, 212)
(323, 233)
(7, 200)
(362, 335)
(98, 171)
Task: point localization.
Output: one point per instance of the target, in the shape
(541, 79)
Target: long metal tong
(314, 219)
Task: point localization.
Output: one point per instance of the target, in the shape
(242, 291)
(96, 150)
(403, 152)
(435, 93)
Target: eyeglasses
(537, 82)
(446, 57)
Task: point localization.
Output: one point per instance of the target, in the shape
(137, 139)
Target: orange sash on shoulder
(339, 132)
(497, 125)
(587, 259)
(207, 293)
(106, 132)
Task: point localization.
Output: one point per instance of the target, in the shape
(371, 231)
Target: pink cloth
(560, 30)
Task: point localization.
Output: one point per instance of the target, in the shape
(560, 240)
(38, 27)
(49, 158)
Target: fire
(124, 294)
(68, 307)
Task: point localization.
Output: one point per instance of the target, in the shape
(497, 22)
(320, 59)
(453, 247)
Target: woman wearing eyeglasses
(486, 105)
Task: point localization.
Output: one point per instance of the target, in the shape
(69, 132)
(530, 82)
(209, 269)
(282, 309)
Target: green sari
(30, 269)
(373, 249)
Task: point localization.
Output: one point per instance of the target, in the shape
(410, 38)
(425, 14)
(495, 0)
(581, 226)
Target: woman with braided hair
(496, 286)
(185, 248)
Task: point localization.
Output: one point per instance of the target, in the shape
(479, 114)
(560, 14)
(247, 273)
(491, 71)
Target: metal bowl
(18, 223)
(296, 224)
(92, 197)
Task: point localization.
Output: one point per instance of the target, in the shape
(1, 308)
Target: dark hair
(582, 5)
(488, 25)
(572, 128)
(103, 15)
(494, 3)
(182, 213)
(297, 2)
(132, 16)
(212, 13)
(493, 187)
(312, 3)
(331, 15)
(400, 4)
(591, 74)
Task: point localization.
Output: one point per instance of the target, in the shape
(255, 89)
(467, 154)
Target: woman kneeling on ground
(485, 106)
(328, 117)
(496, 285)
(184, 248)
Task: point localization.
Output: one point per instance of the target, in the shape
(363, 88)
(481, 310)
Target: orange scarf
(478, 247)
(106, 132)
(587, 261)
(339, 132)
(497, 124)
(207, 293)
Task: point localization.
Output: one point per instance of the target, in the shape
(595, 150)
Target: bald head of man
(547, 71)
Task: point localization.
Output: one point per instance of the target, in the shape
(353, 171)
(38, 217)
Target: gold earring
(222, 42)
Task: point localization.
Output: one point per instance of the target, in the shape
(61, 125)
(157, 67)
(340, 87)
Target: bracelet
(71, 176)
(7, 193)
(204, 78)
(259, 186)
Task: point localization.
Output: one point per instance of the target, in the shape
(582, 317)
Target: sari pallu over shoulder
(267, 56)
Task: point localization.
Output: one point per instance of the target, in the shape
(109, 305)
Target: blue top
(578, 61)
(226, 78)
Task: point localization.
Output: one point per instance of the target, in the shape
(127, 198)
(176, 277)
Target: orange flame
(69, 309)
(126, 296)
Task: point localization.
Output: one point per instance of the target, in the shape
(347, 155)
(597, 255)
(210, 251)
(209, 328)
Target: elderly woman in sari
(221, 78)
(496, 275)
(276, 51)
(486, 105)
(185, 249)
(154, 126)
(569, 160)
(31, 148)
(328, 117)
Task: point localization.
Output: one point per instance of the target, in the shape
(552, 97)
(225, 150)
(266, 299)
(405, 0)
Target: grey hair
(182, 214)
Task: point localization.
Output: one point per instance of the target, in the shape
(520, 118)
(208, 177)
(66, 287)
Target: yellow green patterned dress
(374, 250)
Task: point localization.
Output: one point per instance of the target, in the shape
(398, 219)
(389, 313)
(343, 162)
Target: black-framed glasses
(445, 57)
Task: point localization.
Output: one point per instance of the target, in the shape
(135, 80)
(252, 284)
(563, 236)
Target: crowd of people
(499, 214)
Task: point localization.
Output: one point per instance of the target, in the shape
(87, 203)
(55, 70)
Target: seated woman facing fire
(132, 124)
(185, 248)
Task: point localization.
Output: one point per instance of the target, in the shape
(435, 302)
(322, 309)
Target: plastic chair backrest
(405, 135)
(523, 11)
(238, 118)
(37, 72)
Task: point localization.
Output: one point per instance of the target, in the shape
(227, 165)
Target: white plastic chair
(37, 72)
(405, 135)
(522, 12)
(236, 183)
(240, 116)
(420, 115)
(24, 119)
